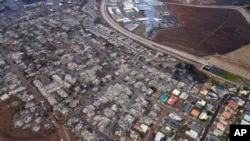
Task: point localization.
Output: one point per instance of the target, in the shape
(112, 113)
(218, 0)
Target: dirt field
(204, 2)
(240, 56)
(206, 31)
(7, 133)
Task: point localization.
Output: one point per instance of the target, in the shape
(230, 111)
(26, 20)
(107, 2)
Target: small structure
(220, 126)
(159, 136)
(187, 107)
(172, 100)
(166, 129)
(164, 97)
(176, 92)
(212, 95)
(243, 92)
(232, 104)
(209, 107)
(247, 105)
(246, 117)
(217, 132)
(243, 122)
(134, 135)
(229, 110)
(223, 120)
(192, 134)
(203, 116)
(184, 95)
(203, 92)
(239, 101)
(4, 97)
(226, 115)
(143, 128)
(194, 126)
(201, 103)
(175, 117)
(195, 113)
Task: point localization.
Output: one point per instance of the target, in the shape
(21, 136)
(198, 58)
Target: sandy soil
(240, 56)
(235, 68)
(206, 31)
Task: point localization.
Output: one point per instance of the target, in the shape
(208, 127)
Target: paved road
(98, 132)
(170, 50)
(156, 46)
(210, 123)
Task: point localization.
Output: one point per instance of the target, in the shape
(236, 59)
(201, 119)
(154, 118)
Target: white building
(193, 134)
(159, 136)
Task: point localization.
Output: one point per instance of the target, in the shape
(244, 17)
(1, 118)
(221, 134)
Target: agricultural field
(206, 31)
(212, 2)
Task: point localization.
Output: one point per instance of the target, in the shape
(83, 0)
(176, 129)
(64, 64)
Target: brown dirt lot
(215, 2)
(8, 133)
(206, 31)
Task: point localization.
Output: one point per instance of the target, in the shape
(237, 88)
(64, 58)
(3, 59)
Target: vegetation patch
(229, 76)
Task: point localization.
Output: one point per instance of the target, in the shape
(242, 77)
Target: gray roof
(164, 130)
(187, 107)
(172, 123)
(209, 107)
(195, 127)
(247, 105)
(213, 138)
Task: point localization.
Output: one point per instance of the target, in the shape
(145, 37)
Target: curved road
(171, 50)
(153, 45)
(176, 53)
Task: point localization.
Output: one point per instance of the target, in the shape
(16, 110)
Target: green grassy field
(229, 76)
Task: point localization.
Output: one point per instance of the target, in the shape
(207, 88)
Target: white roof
(203, 115)
(193, 134)
(202, 102)
(110, 11)
(203, 92)
(243, 122)
(244, 92)
(184, 96)
(168, 128)
(176, 92)
(4, 97)
(143, 128)
(159, 136)
(175, 117)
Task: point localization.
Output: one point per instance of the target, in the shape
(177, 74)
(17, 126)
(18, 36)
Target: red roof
(195, 112)
(232, 104)
(172, 100)
(226, 115)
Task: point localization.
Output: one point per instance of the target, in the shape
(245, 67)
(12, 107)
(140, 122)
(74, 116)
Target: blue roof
(247, 105)
(209, 107)
(247, 117)
(187, 107)
(172, 123)
(164, 97)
